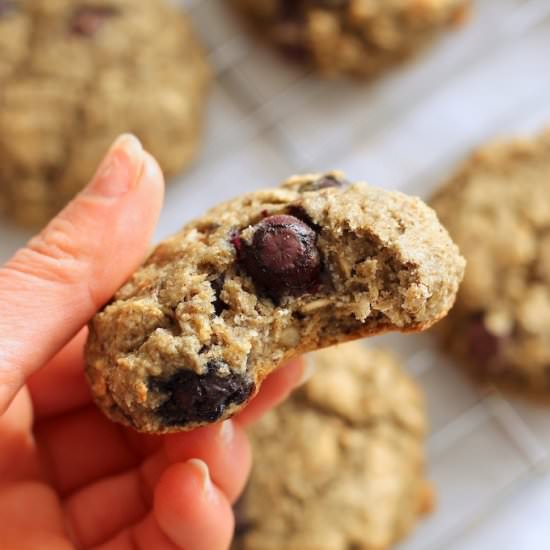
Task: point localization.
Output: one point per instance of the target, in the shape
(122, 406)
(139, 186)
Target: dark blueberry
(323, 182)
(88, 20)
(334, 4)
(295, 53)
(289, 9)
(283, 256)
(7, 7)
(200, 398)
(236, 241)
(483, 346)
(219, 304)
(290, 37)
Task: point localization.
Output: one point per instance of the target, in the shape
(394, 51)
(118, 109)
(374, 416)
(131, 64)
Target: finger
(275, 389)
(224, 447)
(31, 518)
(81, 447)
(143, 536)
(189, 512)
(18, 458)
(129, 496)
(65, 370)
(141, 444)
(53, 286)
(99, 511)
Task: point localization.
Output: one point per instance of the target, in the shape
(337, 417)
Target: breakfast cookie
(497, 208)
(74, 74)
(357, 37)
(340, 464)
(190, 337)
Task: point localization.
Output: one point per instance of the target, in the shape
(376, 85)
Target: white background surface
(489, 456)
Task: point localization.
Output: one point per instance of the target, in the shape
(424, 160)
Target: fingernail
(150, 169)
(227, 432)
(202, 469)
(309, 369)
(120, 169)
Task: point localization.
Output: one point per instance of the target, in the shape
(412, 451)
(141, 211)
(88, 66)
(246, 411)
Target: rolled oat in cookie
(356, 37)
(340, 464)
(190, 337)
(497, 208)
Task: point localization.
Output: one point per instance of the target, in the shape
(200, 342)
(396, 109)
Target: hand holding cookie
(68, 476)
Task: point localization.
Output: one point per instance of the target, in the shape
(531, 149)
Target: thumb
(54, 285)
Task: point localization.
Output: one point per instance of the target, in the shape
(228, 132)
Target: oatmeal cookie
(356, 37)
(340, 464)
(497, 208)
(217, 307)
(74, 74)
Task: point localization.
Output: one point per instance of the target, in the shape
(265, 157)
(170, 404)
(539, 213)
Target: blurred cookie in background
(340, 464)
(356, 37)
(497, 209)
(76, 73)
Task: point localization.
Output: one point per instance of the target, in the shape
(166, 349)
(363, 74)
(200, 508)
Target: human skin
(69, 478)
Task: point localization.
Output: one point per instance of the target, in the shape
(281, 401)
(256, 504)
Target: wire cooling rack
(488, 456)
